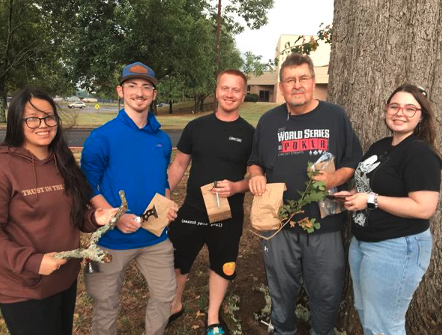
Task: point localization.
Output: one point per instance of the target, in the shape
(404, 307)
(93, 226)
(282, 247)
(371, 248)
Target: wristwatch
(372, 202)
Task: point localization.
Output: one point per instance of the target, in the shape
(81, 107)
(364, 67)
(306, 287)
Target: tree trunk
(4, 65)
(3, 101)
(195, 99)
(170, 106)
(202, 98)
(378, 45)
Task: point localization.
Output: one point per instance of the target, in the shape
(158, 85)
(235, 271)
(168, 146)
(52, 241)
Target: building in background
(266, 86)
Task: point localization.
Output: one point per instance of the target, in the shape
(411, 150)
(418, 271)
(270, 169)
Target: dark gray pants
(319, 261)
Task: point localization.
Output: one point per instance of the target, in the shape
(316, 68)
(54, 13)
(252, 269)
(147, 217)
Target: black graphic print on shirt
(363, 185)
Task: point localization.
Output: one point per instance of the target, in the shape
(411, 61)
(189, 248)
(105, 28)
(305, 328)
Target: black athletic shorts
(191, 230)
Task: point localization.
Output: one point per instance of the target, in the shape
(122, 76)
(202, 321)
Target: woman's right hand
(50, 264)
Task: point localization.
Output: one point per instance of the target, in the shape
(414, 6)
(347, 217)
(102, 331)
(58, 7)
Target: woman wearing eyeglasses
(397, 191)
(44, 200)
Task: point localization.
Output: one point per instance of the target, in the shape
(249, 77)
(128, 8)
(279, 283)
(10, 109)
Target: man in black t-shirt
(286, 139)
(219, 146)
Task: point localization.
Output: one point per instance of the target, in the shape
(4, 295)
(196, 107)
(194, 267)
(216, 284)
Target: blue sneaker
(215, 329)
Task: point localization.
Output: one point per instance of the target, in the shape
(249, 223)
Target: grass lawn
(249, 111)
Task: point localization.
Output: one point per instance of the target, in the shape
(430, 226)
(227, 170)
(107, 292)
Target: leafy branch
(305, 45)
(314, 192)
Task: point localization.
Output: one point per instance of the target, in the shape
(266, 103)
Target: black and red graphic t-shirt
(284, 144)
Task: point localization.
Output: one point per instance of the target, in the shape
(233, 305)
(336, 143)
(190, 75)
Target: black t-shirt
(219, 151)
(394, 171)
(283, 145)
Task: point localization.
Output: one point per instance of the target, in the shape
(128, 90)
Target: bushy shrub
(251, 97)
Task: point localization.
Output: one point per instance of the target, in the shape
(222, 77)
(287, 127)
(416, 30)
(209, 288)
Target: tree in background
(86, 43)
(170, 90)
(305, 45)
(253, 65)
(378, 45)
(28, 53)
(174, 37)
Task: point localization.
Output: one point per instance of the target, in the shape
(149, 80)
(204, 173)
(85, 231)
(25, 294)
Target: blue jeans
(385, 275)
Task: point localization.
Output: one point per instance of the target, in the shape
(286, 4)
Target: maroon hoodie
(34, 220)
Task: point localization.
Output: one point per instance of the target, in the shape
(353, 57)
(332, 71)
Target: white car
(77, 104)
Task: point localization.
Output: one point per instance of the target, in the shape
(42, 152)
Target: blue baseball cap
(138, 70)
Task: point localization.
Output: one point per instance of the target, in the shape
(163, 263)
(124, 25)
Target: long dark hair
(426, 128)
(75, 183)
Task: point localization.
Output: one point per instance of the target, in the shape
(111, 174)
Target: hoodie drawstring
(35, 176)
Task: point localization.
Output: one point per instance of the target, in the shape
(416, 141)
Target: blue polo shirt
(120, 156)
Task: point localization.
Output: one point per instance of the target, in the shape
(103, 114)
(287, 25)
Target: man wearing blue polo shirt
(131, 153)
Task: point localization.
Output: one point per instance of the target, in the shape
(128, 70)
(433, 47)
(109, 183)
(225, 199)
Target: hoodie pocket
(25, 279)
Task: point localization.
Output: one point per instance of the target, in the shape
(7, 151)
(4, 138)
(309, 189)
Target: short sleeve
(352, 151)
(185, 144)
(254, 155)
(421, 170)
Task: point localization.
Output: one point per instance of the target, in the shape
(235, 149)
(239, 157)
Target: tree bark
(3, 102)
(4, 67)
(378, 45)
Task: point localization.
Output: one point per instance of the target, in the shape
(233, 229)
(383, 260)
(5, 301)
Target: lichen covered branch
(93, 252)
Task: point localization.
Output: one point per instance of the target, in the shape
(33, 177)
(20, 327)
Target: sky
(286, 17)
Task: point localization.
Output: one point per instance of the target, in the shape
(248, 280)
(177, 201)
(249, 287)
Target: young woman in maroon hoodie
(44, 204)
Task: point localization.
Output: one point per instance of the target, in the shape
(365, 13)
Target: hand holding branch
(93, 252)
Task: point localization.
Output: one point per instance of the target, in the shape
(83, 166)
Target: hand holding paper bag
(218, 208)
(265, 207)
(156, 223)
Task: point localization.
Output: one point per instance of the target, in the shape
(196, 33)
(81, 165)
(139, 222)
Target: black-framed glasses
(407, 110)
(34, 122)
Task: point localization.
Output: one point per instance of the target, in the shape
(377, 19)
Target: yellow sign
(97, 106)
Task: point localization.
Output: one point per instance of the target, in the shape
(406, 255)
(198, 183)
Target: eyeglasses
(34, 122)
(133, 87)
(408, 110)
(303, 80)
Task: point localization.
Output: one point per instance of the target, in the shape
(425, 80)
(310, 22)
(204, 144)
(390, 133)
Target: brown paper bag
(162, 205)
(215, 213)
(265, 208)
(328, 206)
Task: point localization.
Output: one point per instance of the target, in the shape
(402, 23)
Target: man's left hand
(225, 188)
